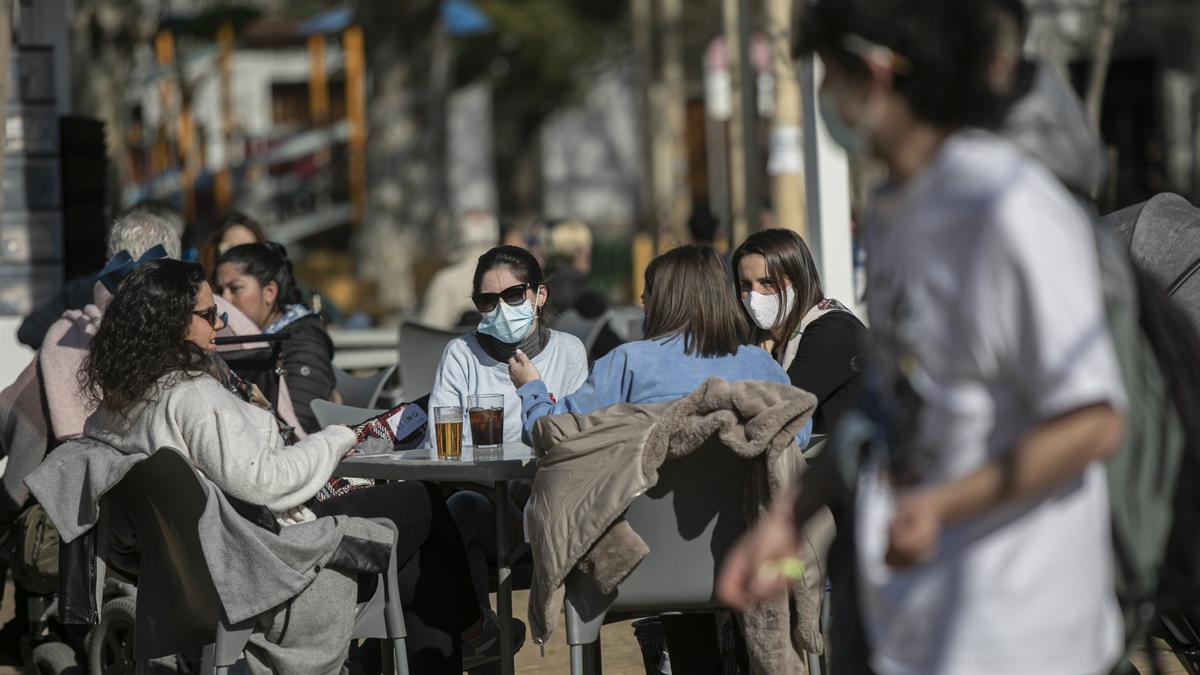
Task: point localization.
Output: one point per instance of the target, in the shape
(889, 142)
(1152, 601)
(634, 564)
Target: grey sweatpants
(311, 634)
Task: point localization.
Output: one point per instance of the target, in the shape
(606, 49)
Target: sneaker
(485, 647)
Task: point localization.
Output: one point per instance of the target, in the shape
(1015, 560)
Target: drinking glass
(448, 421)
(486, 413)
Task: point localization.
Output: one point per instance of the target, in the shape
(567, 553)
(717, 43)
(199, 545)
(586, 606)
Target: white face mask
(765, 309)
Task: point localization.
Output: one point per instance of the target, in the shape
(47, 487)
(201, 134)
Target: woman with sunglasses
(258, 280)
(510, 293)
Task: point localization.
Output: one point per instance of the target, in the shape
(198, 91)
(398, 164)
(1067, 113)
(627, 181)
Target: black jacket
(306, 359)
(828, 363)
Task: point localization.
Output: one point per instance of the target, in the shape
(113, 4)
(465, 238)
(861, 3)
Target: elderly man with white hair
(137, 230)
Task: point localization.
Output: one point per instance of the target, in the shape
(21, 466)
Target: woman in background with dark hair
(235, 229)
(257, 279)
(817, 339)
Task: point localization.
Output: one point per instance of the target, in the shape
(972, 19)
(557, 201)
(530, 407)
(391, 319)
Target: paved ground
(620, 649)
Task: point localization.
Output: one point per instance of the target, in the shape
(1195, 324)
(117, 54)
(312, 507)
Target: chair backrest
(361, 392)
(177, 604)
(587, 330)
(328, 413)
(421, 350)
(690, 519)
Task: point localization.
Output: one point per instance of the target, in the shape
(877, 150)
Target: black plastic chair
(177, 604)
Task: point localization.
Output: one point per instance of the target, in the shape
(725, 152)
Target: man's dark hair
(946, 46)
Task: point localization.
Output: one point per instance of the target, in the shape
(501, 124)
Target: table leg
(503, 579)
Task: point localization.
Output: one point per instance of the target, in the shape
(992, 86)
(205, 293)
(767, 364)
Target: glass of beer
(448, 421)
(486, 412)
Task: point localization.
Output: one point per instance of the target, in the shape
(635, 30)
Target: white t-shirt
(983, 285)
(466, 369)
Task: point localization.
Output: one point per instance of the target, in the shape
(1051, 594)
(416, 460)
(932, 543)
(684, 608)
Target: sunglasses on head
(513, 296)
(209, 315)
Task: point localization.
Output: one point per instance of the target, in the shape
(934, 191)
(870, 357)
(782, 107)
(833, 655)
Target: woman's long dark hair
(687, 294)
(788, 258)
(266, 262)
(144, 334)
(211, 249)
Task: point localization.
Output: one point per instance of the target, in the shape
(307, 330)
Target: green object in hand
(791, 568)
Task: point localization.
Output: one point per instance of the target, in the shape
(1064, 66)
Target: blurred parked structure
(1150, 111)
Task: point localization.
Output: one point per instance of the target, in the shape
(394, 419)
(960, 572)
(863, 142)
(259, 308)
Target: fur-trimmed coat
(594, 466)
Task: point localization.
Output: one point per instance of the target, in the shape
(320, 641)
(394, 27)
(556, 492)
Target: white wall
(589, 155)
(14, 356)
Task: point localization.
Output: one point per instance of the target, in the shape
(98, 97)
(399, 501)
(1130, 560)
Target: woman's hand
(915, 529)
(521, 370)
(750, 571)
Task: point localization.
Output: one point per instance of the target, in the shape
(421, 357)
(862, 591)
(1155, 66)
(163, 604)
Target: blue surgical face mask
(852, 140)
(507, 323)
(855, 138)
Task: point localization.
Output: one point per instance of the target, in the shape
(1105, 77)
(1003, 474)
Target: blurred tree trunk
(1106, 33)
(105, 37)
(5, 49)
(405, 138)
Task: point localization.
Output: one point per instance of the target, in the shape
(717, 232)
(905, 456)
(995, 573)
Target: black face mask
(532, 345)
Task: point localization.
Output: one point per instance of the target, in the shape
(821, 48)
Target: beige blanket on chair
(595, 465)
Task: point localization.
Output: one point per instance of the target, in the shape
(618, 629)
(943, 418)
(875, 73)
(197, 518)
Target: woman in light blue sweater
(694, 330)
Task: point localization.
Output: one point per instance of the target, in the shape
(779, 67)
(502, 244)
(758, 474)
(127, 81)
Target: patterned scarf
(290, 316)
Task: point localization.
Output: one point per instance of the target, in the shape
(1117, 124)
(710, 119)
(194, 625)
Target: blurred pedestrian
(567, 250)
(447, 302)
(993, 383)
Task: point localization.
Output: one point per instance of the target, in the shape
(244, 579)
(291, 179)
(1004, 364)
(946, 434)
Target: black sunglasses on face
(209, 315)
(513, 296)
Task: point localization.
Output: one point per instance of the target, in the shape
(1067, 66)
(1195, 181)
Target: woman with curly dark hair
(153, 373)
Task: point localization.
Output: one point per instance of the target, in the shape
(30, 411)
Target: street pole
(641, 13)
(672, 192)
(352, 46)
(223, 190)
(743, 132)
(786, 161)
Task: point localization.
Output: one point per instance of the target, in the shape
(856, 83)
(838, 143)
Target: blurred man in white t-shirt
(981, 518)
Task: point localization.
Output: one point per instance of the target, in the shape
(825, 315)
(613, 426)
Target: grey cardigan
(254, 569)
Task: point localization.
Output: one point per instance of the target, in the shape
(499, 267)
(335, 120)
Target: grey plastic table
(496, 467)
